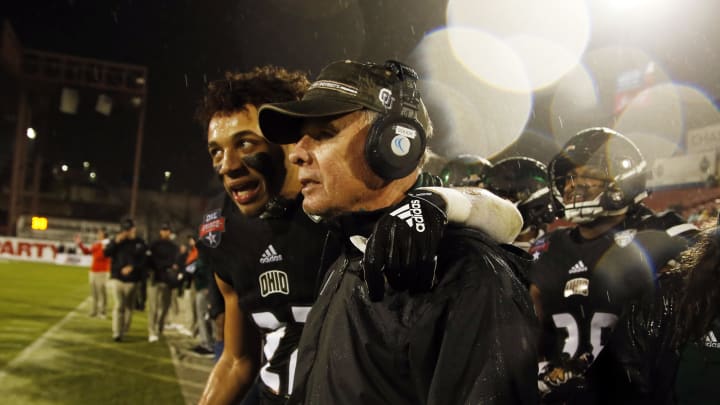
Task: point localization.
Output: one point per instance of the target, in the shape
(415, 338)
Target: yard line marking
(190, 389)
(34, 346)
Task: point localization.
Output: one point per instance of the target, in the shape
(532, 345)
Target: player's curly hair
(263, 84)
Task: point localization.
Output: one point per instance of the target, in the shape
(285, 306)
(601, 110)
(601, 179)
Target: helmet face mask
(583, 212)
(608, 158)
(538, 208)
(524, 181)
(465, 171)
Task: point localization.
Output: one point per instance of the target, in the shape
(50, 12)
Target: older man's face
(334, 174)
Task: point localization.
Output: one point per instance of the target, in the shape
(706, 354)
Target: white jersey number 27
(268, 321)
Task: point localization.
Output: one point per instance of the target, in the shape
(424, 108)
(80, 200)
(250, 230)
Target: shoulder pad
(671, 222)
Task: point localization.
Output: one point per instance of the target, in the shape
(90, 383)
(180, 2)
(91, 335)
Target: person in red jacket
(99, 272)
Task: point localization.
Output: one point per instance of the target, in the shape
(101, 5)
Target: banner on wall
(703, 139)
(696, 168)
(36, 250)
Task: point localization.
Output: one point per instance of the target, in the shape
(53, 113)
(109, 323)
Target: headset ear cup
(394, 147)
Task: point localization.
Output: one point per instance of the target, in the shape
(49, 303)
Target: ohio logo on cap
(385, 97)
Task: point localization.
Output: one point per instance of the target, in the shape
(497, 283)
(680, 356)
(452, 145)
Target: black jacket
(163, 255)
(471, 340)
(127, 252)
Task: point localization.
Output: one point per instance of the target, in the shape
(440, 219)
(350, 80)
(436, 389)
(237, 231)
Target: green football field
(51, 352)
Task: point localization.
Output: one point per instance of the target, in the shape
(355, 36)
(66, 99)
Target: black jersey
(585, 284)
(272, 264)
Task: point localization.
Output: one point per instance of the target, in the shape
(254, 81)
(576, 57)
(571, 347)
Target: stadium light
(64, 168)
(167, 174)
(93, 176)
(39, 223)
(31, 133)
(86, 165)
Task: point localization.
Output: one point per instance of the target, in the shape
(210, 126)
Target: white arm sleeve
(480, 209)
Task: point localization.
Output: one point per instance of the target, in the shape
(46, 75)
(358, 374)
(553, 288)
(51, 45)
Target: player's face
(250, 168)
(584, 183)
(333, 172)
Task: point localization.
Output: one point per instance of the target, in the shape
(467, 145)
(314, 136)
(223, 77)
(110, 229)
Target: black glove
(403, 246)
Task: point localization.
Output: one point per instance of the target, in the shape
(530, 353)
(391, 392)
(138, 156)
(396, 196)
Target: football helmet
(525, 182)
(621, 167)
(465, 171)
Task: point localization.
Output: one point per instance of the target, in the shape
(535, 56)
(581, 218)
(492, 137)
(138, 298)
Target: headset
(396, 140)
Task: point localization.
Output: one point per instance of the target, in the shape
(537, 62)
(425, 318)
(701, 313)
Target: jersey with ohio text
(273, 264)
(584, 284)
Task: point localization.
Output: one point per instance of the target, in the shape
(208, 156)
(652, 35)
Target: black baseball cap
(340, 88)
(127, 224)
(165, 226)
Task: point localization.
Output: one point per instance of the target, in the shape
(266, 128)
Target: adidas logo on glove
(711, 341)
(411, 213)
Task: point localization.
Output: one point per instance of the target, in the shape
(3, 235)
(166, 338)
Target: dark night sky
(186, 42)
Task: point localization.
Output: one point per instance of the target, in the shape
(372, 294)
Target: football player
(524, 181)
(664, 348)
(585, 275)
(698, 322)
(465, 171)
